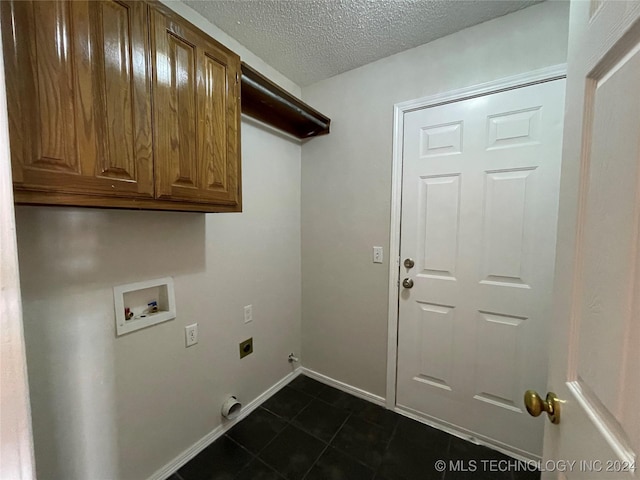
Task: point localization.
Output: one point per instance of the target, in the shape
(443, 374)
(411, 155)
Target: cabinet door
(78, 89)
(196, 114)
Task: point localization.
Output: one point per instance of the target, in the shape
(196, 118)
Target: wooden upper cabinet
(79, 89)
(118, 103)
(196, 114)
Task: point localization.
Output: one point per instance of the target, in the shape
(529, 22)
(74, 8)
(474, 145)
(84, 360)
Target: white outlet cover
(377, 255)
(191, 334)
(248, 313)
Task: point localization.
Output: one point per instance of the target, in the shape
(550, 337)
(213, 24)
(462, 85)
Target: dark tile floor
(312, 431)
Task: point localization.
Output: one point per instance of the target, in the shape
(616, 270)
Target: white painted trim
(356, 392)
(182, 459)
(548, 74)
(16, 438)
(467, 435)
(394, 254)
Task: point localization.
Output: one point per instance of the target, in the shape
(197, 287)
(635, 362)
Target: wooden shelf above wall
(265, 101)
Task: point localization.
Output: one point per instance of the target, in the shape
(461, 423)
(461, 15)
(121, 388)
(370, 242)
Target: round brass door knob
(407, 283)
(536, 405)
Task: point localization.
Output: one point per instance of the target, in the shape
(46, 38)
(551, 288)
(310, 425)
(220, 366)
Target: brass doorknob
(407, 283)
(536, 405)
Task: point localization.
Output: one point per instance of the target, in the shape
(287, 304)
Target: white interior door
(595, 354)
(479, 214)
(16, 439)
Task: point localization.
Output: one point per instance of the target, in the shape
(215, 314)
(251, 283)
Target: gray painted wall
(346, 178)
(121, 408)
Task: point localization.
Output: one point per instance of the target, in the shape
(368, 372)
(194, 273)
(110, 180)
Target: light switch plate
(377, 254)
(248, 313)
(191, 334)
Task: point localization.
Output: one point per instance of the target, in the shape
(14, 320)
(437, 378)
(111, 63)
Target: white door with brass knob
(479, 214)
(595, 340)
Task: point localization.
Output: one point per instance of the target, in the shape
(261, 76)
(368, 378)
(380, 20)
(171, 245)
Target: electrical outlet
(377, 254)
(191, 334)
(248, 313)
(246, 347)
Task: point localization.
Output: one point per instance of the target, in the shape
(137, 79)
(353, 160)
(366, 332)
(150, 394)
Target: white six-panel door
(595, 341)
(479, 212)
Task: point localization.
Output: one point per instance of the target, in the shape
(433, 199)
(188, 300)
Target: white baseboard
(356, 392)
(467, 435)
(175, 464)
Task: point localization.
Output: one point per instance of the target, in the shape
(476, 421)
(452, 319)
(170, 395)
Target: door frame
(16, 437)
(547, 74)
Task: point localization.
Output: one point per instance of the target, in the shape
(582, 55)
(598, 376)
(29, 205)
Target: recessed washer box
(136, 297)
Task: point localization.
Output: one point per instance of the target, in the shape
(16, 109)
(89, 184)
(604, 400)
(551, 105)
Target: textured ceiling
(310, 40)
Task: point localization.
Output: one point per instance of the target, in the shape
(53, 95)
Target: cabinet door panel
(55, 118)
(117, 91)
(196, 115)
(181, 115)
(39, 93)
(214, 139)
(79, 90)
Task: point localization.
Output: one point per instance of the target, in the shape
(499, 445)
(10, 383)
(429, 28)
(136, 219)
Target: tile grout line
(251, 459)
(288, 423)
(351, 413)
(328, 445)
(393, 433)
(254, 456)
(354, 458)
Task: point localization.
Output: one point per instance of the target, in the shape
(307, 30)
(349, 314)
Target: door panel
(55, 115)
(607, 274)
(435, 343)
(196, 121)
(45, 89)
(79, 96)
(507, 234)
(181, 121)
(595, 359)
(439, 199)
(214, 136)
(500, 346)
(479, 210)
(119, 159)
